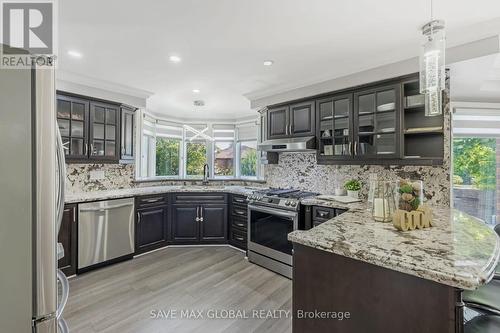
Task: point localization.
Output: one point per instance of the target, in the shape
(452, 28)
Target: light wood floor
(120, 298)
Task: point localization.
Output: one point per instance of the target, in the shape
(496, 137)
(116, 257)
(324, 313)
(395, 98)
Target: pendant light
(432, 65)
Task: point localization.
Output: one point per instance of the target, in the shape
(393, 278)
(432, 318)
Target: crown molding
(71, 77)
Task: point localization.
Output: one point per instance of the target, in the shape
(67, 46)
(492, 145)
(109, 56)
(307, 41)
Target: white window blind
(223, 132)
(168, 130)
(247, 131)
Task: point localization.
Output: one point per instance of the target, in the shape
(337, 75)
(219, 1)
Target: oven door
(268, 230)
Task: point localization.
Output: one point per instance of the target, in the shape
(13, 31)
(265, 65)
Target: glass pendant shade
(432, 66)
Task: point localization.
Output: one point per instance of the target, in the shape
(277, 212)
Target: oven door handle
(291, 215)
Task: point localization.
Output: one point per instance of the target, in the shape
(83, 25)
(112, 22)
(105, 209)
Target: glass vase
(384, 201)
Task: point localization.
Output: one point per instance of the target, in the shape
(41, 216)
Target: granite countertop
(460, 251)
(130, 192)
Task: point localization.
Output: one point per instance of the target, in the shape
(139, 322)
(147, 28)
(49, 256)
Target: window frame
(179, 161)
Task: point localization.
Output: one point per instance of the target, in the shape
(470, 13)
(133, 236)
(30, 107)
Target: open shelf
(424, 130)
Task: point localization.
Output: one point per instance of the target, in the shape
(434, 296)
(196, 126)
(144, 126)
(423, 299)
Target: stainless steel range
(272, 215)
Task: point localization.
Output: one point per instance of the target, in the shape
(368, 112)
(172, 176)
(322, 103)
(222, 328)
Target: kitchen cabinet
(277, 121)
(377, 123)
(185, 223)
(127, 148)
(238, 221)
(151, 227)
(213, 224)
(72, 120)
(199, 218)
(104, 131)
(94, 130)
(293, 120)
(335, 127)
(68, 238)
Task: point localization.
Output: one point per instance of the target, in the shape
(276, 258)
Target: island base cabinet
(377, 300)
(68, 237)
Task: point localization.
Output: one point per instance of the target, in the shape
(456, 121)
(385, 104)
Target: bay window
(175, 150)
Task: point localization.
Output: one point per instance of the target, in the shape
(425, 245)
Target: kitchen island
(386, 280)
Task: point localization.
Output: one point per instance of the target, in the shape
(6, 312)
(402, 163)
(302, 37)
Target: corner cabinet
(295, 120)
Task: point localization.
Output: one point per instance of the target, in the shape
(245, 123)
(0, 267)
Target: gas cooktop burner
(279, 198)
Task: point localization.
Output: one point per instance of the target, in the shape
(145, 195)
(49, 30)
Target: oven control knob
(287, 203)
(293, 203)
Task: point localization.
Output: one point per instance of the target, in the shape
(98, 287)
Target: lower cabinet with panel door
(151, 225)
(68, 238)
(199, 218)
(192, 224)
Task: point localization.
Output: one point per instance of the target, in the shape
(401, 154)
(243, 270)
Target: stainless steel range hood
(307, 143)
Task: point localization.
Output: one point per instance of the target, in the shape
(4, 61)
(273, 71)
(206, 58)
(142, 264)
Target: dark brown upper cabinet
(335, 127)
(302, 119)
(95, 130)
(377, 123)
(72, 119)
(278, 119)
(293, 120)
(127, 150)
(104, 131)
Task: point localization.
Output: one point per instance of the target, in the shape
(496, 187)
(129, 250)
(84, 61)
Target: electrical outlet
(96, 175)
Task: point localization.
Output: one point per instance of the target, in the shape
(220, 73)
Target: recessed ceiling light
(75, 54)
(196, 91)
(174, 58)
(268, 63)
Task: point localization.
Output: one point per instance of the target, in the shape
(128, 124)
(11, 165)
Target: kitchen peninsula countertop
(460, 251)
(136, 191)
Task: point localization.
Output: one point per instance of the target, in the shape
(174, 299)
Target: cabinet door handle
(239, 200)
(239, 212)
(201, 213)
(355, 147)
(350, 148)
(86, 149)
(240, 224)
(241, 239)
(138, 217)
(92, 149)
(197, 219)
(74, 214)
(322, 214)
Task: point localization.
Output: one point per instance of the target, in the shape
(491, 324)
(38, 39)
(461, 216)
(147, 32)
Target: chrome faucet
(205, 174)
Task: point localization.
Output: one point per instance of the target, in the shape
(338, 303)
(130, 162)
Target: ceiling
(476, 80)
(223, 44)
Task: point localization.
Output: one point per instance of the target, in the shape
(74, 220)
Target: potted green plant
(353, 186)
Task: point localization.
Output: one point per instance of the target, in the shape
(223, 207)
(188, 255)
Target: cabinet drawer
(239, 211)
(239, 200)
(151, 201)
(200, 198)
(238, 238)
(323, 213)
(240, 223)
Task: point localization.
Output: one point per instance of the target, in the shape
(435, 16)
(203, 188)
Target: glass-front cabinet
(72, 117)
(104, 130)
(376, 122)
(360, 126)
(90, 129)
(335, 127)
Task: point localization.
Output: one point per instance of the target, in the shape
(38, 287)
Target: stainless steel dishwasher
(105, 231)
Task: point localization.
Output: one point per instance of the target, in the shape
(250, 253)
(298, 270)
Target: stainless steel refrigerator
(31, 203)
